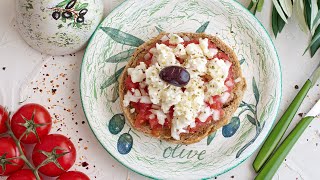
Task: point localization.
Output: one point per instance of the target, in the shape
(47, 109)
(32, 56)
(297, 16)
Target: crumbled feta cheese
(129, 98)
(216, 115)
(194, 50)
(204, 44)
(164, 38)
(175, 39)
(161, 116)
(165, 55)
(207, 112)
(218, 69)
(170, 97)
(215, 87)
(198, 64)
(180, 51)
(132, 110)
(224, 97)
(137, 73)
(155, 83)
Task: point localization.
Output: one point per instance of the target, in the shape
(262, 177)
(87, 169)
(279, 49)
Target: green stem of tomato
(22, 155)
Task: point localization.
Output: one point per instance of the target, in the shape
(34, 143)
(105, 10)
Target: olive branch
(307, 14)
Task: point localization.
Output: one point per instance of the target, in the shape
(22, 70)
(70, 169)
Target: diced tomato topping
(168, 121)
(129, 84)
(221, 113)
(181, 61)
(212, 45)
(217, 104)
(200, 124)
(141, 107)
(153, 122)
(156, 130)
(166, 43)
(147, 62)
(195, 41)
(231, 79)
(141, 118)
(222, 55)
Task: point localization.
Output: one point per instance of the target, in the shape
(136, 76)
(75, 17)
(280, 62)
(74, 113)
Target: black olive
(80, 19)
(67, 14)
(71, 4)
(175, 75)
(83, 12)
(56, 15)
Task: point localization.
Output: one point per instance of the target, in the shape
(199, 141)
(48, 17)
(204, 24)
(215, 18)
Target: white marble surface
(27, 75)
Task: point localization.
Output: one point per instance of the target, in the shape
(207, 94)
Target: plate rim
(236, 3)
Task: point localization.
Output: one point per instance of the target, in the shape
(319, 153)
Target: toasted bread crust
(229, 108)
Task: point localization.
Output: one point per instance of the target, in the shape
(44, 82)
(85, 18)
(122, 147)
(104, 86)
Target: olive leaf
(242, 61)
(63, 3)
(256, 5)
(287, 7)
(251, 119)
(159, 29)
(307, 12)
(315, 76)
(255, 90)
(122, 37)
(247, 145)
(298, 9)
(211, 137)
(260, 5)
(112, 79)
(203, 27)
(120, 57)
(277, 22)
(82, 6)
(316, 45)
(279, 10)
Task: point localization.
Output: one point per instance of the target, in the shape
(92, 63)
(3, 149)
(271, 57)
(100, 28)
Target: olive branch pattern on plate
(117, 122)
(133, 23)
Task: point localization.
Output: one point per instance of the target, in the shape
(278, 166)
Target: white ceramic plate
(134, 22)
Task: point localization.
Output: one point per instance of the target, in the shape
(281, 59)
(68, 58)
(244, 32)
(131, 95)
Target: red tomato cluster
(54, 154)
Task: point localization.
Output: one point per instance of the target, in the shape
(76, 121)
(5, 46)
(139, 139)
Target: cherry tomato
(31, 118)
(51, 146)
(23, 174)
(129, 84)
(74, 175)
(3, 118)
(8, 149)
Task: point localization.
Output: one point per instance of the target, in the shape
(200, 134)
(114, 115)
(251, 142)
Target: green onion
(278, 131)
(280, 154)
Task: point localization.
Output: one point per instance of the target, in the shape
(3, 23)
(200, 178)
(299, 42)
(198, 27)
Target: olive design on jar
(70, 9)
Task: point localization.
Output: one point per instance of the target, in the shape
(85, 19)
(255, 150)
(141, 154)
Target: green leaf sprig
(307, 13)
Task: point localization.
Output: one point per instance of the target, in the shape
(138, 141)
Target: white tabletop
(27, 75)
